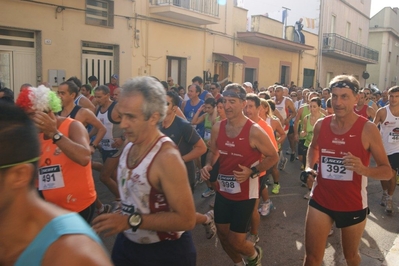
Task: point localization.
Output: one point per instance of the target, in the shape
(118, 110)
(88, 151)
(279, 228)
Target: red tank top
(362, 112)
(61, 180)
(235, 151)
(337, 188)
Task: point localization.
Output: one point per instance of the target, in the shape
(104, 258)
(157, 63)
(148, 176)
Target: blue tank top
(68, 224)
(189, 111)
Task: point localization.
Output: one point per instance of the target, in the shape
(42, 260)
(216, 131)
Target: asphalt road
(282, 232)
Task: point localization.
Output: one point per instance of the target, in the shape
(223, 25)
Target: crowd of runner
(156, 138)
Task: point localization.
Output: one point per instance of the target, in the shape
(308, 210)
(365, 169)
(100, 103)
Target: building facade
(344, 40)
(384, 37)
(51, 40)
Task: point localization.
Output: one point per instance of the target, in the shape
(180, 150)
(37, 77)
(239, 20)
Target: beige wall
(267, 26)
(339, 67)
(67, 30)
(353, 11)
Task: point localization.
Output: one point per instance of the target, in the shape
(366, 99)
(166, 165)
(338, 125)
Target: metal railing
(335, 42)
(207, 7)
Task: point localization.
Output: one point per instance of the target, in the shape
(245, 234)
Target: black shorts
(263, 185)
(236, 213)
(214, 172)
(342, 219)
(301, 147)
(290, 130)
(394, 161)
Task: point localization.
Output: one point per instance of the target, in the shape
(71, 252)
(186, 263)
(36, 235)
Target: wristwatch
(57, 136)
(255, 172)
(135, 221)
(94, 146)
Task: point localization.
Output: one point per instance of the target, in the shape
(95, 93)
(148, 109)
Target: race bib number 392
(50, 177)
(333, 168)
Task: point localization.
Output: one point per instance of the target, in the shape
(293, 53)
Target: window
(389, 57)
(100, 13)
(397, 60)
(329, 77)
(348, 29)
(332, 28)
(359, 36)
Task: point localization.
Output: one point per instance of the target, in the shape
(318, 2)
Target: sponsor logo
(230, 144)
(241, 138)
(355, 218)
(338, 141)
(352, 136)
(395, 130)
(389, 123)
(329, 160)
(236, 154)
(223, 152)
(327, 151)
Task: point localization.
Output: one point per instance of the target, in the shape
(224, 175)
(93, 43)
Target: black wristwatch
(57, 136)
(255, 172)
(94, 146)
(135, 221)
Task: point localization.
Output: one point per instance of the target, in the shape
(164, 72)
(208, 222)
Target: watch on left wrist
(255, 172)
(134, 221)
(57, 136)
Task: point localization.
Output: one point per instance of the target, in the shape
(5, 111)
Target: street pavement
(282, 232)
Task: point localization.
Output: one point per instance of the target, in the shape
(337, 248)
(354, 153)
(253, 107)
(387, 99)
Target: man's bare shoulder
(84, 249)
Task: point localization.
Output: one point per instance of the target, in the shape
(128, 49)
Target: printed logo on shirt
(230, 144)
(327, 151)
(338, 141)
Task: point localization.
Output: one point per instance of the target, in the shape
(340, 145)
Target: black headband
(342, 84)
(232, 93)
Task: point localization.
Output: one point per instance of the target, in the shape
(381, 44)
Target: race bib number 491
(333, 168)
(50, 177)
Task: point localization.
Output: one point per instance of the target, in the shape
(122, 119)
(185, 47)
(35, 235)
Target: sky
(305, 9)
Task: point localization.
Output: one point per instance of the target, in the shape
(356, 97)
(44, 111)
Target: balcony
(198, 12)
(340, 47)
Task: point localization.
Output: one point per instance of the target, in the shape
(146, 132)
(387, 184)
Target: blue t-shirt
(67, 224)
(189, 111)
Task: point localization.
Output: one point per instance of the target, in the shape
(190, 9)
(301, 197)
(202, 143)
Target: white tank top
(137, 194)
(390, 132)
(281, 108)
(77, 100)
(108, 140)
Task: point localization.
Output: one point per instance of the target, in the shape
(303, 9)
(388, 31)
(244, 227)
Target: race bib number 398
(50, 177)
(333, 168)
(228, 184)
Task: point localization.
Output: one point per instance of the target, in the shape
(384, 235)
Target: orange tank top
(61, 180)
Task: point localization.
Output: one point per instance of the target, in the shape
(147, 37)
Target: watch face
(134, 220)
(57, 136)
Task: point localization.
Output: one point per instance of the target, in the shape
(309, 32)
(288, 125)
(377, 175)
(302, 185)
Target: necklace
(133, 160)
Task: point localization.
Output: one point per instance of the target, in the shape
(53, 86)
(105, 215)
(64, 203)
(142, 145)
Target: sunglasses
(293, 95)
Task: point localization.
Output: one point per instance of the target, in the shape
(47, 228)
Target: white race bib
(50, 177)
(228, 184)
(207, 134)
(333, 168)
(393, 137)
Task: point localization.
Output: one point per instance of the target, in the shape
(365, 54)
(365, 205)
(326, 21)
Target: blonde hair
(265, 104)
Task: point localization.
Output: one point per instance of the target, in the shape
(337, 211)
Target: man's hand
(118, 142)
(111, 223)
(242, 175)
(46, 123)
(205, 172)
(354, 164)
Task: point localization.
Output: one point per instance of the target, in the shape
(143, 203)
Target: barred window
(100, 13)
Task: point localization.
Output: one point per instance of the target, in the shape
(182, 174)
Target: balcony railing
(206, 7)
(333, 42)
